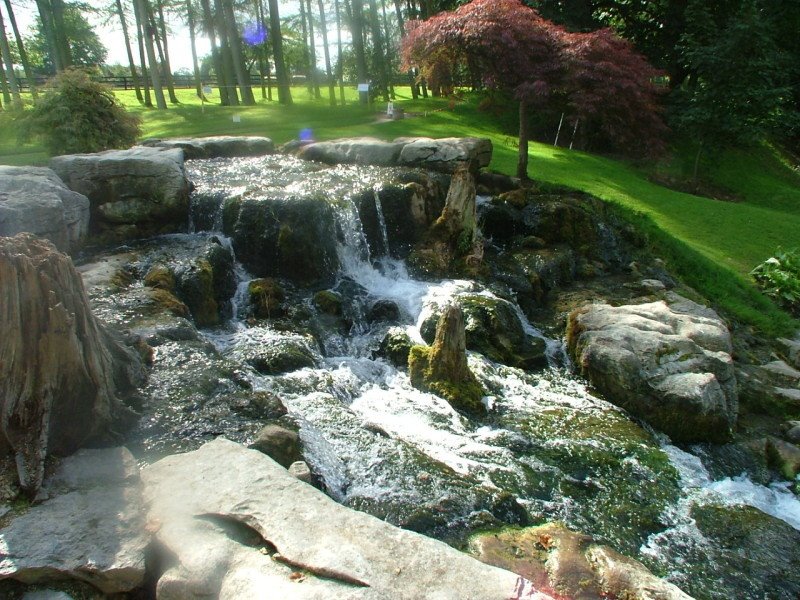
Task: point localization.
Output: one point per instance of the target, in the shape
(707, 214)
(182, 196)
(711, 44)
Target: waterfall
(381, 220)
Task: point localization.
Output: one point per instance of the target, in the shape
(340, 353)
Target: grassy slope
(712, 244)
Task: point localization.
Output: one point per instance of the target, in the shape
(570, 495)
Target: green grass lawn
(711, 244)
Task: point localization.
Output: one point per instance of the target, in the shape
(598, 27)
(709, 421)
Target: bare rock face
(445, 154)
(35, 200)
(236, 525)
(90, 529)
(217, 146)
(133, 193)
(62, 375)
(669, 364)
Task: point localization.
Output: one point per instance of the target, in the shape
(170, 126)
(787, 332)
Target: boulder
(395, 347)
(445, 154)
(360, 151)
(90, 529)
(784, 457)
(63, 376)
(301, 471)
(271, 352)
(670, 364)
(442, 368)
(35, 200)
(133, 193)
(280, 444)
(266, 298)
(236, 524)
(220, 146)
(284, 235)
(383, 310)
(791, 349)
(571, 565)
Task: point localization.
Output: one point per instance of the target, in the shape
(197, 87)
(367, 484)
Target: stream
(548, 450)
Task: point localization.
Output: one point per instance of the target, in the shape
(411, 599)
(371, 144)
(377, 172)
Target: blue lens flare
(306, 135)
(255, 33)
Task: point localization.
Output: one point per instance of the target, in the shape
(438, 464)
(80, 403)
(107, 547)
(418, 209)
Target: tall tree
(324, 27)
(226, 54)
(309, 68)
(339, 51)
(356, 13)
(142, 15)
(216, 54)
(23, 54)
(284, 90)
(198, 85)
(84, 47)
(131, 63)
(237, 56)
(378, 56)
(312, 46)
(8, 61)
(263, 53)
(163, 49)
(148, 101)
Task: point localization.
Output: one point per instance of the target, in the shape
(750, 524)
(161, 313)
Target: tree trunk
(155, 76)
(284, 89)
(263, 59)
(198, 85)
(242, 73)
(357, 30)
(131, 64)
(522, 162)
(328, 71)
(387, 39)
(226, 54)
(46, 16)
(11, 77)
(142, 61)
(163, 50)
(4, 87)
(306, 53)
(23, 55)
(312, 46)
(412, 78)
(216, 57)
(379, 57)
(339, 65)
(60, 32)
(63, 376)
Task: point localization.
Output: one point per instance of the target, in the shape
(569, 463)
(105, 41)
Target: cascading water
(549, 449)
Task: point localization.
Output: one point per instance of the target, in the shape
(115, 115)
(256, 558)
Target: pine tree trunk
(263, 60)
(155, 76)
(242, 74)
(226, 58)
(339, 65)
(23, 55)
(11, 77)
(46, 17)
(163, 50)
(387, 45)
(198, 85)
(284, 85)
(4, 87)
(357, 30)
(306, 53)
(131, 64)
(522, 162)
(148, 102)
(379, 57)
(216, 57)
(60, 32)
(324, 25)
(312, 46)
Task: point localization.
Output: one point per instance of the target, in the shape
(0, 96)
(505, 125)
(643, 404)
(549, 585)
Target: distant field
(711, 244)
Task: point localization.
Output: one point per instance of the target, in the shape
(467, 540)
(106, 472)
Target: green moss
(168, 301)
(329, 302)
(462, 395)
(266, 296)
(160, 277)
(196, 289)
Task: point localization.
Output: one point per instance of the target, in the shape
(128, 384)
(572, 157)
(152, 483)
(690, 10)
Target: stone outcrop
(442, 368)
(35, 200)
(235, 524)
(90, 529)
(444, 154)
(63, 376)
(220, 146)
(571, 565)
(670, 364)
(133, 193)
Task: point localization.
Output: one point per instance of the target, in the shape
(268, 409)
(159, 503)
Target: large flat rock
(220, 146)
(359, 151)
(239, 526)
(444, 154)
(669, 364)
(91, 528)
(133, 193)
(35, 200)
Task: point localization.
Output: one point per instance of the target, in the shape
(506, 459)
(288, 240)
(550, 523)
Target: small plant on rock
(779, 278)
(79, 115)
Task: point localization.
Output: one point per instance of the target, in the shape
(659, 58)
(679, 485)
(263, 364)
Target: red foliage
(595, 77)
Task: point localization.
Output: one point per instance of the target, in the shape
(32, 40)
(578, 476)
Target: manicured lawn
(711, 244)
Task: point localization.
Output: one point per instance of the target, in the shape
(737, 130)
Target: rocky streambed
(284, 319)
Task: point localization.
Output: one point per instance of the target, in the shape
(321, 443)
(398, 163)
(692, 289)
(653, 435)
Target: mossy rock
(167, 301)
(196, 288)
(266, 298)
(462, 395)
(396, 347)
(160, 277)
(329, 302)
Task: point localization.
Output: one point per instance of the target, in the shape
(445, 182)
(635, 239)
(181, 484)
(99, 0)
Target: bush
(779, 277)
(78, 115)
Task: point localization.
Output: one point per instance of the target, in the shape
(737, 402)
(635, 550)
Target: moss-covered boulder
(494, 329)
(395, 347)
(160, 277)
(284, 236)
(442, 368)
(272, 352)
(329, 302)
(571, 565)
(266, 298)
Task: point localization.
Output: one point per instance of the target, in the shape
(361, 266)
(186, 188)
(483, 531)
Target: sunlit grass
(711, 244)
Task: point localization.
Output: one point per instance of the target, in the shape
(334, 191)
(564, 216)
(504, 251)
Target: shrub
(779, 277)
(78, 115)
